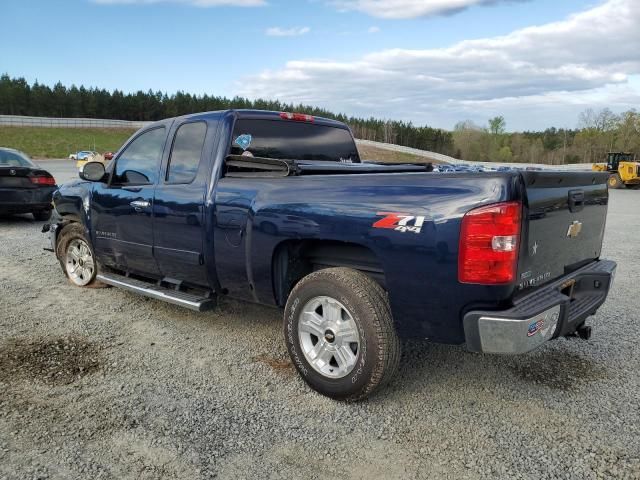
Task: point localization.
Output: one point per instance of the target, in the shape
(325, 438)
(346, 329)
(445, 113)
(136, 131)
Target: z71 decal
(400, 222)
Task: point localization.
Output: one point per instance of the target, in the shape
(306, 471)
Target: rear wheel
(76, 256)
(340, 333)
(615, 181)
(42, 215)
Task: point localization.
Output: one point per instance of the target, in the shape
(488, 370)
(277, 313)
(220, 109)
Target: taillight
(43, 180)
(489, 242)
(298, 117)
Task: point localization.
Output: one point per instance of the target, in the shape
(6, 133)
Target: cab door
(121, 210)
(178, 206)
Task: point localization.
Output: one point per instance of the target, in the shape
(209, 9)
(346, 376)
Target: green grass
(39, 142)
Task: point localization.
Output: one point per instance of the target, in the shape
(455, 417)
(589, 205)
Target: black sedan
(24, 187)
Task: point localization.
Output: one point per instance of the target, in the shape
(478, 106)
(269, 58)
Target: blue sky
(389, 58)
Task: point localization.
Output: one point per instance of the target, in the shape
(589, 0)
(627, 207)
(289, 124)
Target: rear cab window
(290, 140)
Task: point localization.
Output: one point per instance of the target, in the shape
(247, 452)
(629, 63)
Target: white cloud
(196, 3)
(559, 64)
(287, 32)
(410, 8)
(373, 29)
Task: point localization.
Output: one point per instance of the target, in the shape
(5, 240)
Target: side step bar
(182, 299)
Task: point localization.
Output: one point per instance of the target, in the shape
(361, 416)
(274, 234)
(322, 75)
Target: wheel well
(295, 259)
(63, 222)
(69, 218)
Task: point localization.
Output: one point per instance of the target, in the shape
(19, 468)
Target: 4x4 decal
(400, 222)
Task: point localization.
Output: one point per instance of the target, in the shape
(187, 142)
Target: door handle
(139, 205)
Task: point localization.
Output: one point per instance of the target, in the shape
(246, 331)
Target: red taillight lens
(489, 242)
(298, 117)
(43, 180)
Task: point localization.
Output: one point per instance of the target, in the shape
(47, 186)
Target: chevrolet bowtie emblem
(574, 229)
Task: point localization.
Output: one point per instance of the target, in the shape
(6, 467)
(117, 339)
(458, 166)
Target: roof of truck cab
(254, 115)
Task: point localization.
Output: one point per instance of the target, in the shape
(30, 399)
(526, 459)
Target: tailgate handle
(576, 200)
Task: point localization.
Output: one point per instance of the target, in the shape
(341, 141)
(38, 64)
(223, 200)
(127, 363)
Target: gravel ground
(100, 383)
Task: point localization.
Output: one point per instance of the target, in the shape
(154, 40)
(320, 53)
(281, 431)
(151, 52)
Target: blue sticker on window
(243, 141)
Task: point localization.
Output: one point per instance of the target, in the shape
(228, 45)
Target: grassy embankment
(41, 143)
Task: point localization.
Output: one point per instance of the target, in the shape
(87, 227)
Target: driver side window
(138, 164)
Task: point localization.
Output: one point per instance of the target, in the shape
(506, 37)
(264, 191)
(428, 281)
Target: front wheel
(340, 333)
(615, 181)
(76, 256)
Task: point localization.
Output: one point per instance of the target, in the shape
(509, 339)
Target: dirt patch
(279, 365)
(54, 361)
(560, 371)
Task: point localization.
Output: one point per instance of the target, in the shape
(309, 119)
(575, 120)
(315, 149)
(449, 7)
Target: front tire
(615, 181)
(340, 334)
(76, 256)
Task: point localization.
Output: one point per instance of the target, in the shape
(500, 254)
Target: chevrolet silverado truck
(278, 209)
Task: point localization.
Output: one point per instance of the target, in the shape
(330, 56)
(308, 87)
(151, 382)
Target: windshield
(293, 141)
(11, 158)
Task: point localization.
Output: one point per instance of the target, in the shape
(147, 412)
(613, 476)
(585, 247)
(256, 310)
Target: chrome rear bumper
(551, 311)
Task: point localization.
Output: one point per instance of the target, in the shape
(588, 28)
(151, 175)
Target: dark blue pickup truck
(278, 208)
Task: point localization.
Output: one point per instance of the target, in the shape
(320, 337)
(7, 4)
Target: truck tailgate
(564, 225)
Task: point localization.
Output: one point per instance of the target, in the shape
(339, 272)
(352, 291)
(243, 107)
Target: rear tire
(615, 181)
(340, 334)
(42, 215)
(76, 256)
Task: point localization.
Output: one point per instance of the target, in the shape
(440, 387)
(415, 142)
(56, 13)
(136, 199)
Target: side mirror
(92, 171)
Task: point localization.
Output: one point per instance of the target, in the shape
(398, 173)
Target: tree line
(597, 133)
(18, 97)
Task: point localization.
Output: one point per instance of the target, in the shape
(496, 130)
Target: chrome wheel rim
(329, 337)
(79, 262)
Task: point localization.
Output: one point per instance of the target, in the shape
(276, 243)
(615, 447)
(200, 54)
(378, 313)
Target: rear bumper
(17, 200)
(551, 311)
(28, 208)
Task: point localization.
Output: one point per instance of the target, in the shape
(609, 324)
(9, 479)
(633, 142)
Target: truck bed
(420, 268)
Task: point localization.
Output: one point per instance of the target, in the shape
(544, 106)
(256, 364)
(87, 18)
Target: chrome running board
(182, 299)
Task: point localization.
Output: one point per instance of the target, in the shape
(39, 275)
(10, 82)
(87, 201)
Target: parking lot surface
(63, 170)
(101, 383)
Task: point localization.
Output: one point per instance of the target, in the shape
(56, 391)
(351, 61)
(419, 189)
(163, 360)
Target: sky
(539, 63)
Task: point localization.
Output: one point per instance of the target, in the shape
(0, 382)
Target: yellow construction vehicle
(623, 167)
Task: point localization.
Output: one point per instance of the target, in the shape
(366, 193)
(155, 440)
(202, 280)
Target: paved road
(63, 170)
(101, 383)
